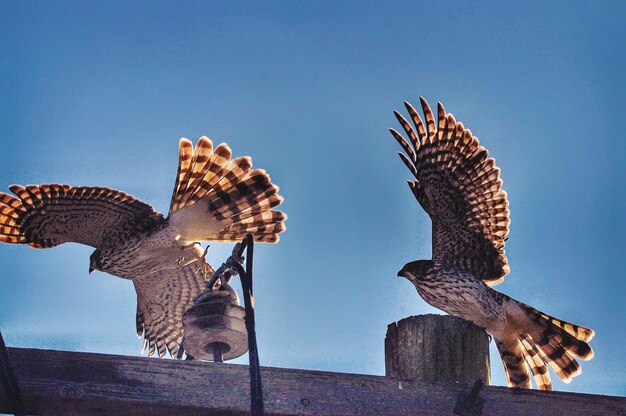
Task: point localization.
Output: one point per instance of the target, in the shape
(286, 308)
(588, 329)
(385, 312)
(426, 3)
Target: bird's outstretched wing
(219, 199)
(162, 299)
(460, 188)
(48, 215)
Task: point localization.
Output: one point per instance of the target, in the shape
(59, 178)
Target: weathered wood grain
(436, 348)
(70, 383)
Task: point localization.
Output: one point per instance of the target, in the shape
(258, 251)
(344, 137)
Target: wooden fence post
(436, 348)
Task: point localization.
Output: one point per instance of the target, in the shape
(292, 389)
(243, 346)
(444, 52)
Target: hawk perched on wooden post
(214, 199)
(460, 188)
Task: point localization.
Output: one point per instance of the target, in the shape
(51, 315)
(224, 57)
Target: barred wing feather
(460, 188)
(51, 214)
(162, 299)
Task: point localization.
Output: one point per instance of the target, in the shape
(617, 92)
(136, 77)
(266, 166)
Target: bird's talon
(206, 251)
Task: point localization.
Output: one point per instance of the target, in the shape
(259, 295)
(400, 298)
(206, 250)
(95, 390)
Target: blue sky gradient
(98, 93)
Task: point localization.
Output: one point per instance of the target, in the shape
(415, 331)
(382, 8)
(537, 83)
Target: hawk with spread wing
(459, 186)
(215, 198)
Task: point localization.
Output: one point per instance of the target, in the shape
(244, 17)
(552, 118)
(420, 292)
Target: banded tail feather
(515, 367)
(533, 341)
(533, 357)
(200, 169)
(219, 198)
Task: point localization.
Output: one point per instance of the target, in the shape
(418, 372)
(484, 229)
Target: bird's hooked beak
(94, 261)
(404, 272)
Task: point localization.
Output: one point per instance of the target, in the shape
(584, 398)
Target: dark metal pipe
(9, 382)
(256, 387)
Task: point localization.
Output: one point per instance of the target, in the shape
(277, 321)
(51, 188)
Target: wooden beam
(71, 383)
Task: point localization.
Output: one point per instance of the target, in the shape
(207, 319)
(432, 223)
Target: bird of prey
(215, 198)
(459, 186)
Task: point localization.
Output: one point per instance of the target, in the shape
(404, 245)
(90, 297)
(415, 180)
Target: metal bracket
(228, 269)
(470, 404)
(231, 267)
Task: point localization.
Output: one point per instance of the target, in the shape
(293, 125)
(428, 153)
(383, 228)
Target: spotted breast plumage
(215, 198)
(459, 186)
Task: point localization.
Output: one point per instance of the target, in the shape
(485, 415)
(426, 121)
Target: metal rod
(218, 356)
(9, 383)
(228, 264)
(256, 387)
(233, 265)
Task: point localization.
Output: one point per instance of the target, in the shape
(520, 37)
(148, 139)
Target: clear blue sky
(98, 93)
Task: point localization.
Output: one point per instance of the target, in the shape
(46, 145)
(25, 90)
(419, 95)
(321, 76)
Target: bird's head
(414, 270)
(95, 261)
